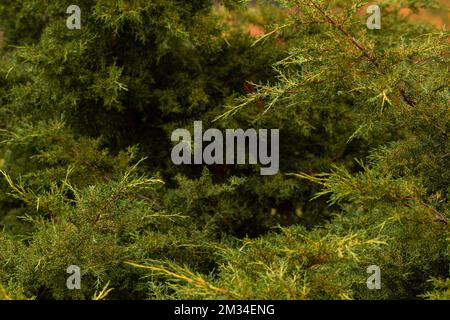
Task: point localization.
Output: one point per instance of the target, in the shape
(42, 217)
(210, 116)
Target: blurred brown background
(439, 18)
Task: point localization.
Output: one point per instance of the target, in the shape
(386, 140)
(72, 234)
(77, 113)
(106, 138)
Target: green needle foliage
(86, 118)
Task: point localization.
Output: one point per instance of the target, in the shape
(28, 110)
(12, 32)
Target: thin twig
(359, 46)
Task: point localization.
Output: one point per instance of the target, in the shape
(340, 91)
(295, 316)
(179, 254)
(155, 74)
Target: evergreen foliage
(85, 123)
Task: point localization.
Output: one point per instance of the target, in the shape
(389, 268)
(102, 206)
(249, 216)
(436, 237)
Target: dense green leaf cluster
(86, 118)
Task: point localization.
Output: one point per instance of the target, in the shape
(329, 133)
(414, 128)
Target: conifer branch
(349, 37)
(358, 45)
